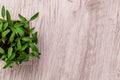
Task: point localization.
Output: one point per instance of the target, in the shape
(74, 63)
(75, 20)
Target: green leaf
(36, 54)
(13, 29)
(3, 57)
(18, 24)
(24, 46)
(26, 39)
(11, 23)
(12, 37)
(1, 20)
(3, 40)
(8, 64)
(6, 59)
(22, 57)
(12, 56)
(5, 33)
(3, 11)
(8, 17)
(17, 39)
(5, 25)
(34, 16)
(10, 50)
(26, 24)
(33, 47)
(21, 17)
(19, 45)
(2, 50)
(1, 26)
(34, 38)
(20, 31)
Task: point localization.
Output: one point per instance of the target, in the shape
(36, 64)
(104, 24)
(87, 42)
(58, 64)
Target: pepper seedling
(16, 38)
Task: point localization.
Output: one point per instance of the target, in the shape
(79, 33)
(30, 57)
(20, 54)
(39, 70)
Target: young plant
(16, 38)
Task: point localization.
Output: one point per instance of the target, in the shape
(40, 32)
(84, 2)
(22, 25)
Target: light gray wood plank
(78, 39)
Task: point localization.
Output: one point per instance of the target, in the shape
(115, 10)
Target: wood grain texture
(78, 39)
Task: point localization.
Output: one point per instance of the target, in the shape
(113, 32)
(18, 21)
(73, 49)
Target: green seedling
(16, 38)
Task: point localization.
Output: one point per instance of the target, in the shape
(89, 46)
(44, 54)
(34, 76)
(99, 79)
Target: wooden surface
(78, 39)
